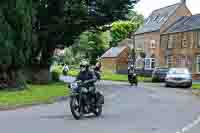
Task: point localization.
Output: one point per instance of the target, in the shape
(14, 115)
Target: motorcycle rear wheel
(98, 111)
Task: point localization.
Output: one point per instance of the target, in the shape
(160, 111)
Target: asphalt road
(149, 108)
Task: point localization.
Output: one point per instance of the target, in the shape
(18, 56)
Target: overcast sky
(145, 7)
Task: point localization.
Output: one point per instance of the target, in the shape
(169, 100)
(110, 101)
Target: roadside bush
(73, 72)
(56, 72)
(155, 80)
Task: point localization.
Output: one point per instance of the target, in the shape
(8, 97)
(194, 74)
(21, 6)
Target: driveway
(145, 109)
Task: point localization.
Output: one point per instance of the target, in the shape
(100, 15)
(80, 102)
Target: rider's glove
(85, 82)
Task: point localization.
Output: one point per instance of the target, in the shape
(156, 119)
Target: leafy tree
(60, 22)
(122, 29)
(15, 40)
(136, 17)
(92, 45)
(30, 30)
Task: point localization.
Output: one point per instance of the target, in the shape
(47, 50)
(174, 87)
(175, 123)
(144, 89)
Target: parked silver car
(180, 77)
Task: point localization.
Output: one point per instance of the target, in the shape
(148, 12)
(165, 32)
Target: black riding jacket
(87, 76)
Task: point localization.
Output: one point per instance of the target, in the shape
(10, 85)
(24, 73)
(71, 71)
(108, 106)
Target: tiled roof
(157, 18)
(187, 23)
(113, 52)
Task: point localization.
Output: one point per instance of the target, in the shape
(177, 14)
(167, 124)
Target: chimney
(183, 1)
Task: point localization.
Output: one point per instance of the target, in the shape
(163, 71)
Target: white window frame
(198, 63)
(153, 44)
(169, 60)
(149, 62)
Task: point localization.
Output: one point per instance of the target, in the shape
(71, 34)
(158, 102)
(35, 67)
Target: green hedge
(56, 72)
(73, 72)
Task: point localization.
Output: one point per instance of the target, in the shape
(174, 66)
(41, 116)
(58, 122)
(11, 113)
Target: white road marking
(190, 126)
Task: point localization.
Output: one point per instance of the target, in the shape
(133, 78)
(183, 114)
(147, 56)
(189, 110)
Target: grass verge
(112, 76)
(196, 86)
(35, 94)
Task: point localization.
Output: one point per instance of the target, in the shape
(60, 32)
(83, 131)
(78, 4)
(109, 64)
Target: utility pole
(133, 49)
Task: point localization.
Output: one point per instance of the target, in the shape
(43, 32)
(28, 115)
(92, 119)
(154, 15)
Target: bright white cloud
(145, 7)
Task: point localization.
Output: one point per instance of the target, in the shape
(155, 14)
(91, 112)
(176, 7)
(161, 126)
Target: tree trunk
(11, 78)
(37, 74)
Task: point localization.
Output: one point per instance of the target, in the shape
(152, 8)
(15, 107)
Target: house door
(150, 63)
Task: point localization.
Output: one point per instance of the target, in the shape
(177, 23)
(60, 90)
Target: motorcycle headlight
(73, 86)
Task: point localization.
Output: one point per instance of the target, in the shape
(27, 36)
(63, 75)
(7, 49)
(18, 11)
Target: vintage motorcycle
(133, 79)
(83, 101)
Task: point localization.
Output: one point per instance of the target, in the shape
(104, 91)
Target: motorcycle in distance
(81, 103)
(132, 78)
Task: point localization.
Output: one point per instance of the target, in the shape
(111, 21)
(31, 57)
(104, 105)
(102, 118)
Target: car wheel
(189, 85)
(166, 85)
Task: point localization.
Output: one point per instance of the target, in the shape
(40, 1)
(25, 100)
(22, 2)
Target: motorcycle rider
(65, 69)
(98, 65)
(131, 71)
(87, 77)
(97, 69)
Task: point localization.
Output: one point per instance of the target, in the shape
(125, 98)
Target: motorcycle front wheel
(136, 83)
(75, 107)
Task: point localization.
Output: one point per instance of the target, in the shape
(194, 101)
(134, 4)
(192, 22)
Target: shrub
(56, 72)
(155, 79)
(73, 72)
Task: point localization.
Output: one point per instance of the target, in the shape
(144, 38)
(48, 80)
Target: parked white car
(180, 77)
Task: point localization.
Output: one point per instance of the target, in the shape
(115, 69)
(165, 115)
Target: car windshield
(163, 70)
(178, 71)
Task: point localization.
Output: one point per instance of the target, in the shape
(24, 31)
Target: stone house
(147, 37)
(180, 45)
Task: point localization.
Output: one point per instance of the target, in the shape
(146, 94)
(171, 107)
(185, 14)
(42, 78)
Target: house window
(148, 20)
(153, 44)
(161, 19)
(169, 61)
(198, 64)
(156, 17)
(150, 63)
(180, 61)
(198, 40)
(164, 42)
(171, 41)
(184, 40)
